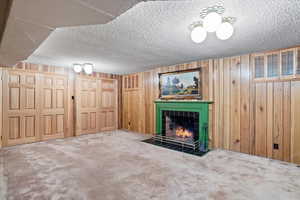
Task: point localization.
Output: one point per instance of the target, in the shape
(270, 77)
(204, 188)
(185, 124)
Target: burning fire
(183, 133)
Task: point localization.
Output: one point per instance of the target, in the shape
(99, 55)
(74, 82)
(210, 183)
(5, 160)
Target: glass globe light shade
(88, 68)
(212, 21)
(198, 34)
(225, 31)
(77, 68)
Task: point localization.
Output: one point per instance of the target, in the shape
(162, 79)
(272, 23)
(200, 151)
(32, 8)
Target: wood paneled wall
(62, 87)
(248, 115)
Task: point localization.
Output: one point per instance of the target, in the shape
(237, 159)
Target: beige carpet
(118, 166)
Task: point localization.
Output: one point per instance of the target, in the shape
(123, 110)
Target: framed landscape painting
(181, 85)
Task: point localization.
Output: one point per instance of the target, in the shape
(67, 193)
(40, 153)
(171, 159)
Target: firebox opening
(181, 125)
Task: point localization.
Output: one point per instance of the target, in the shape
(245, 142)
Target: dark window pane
(298, 61)
(259, 67)
(287, 62)
(273, 65)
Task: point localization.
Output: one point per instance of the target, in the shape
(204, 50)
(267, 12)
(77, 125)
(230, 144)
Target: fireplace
(181, 125)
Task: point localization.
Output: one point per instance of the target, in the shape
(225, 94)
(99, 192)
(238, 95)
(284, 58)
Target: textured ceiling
(31, 21)
(155, 33)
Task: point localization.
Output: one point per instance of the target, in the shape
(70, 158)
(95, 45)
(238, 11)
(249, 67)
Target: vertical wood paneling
(278, 120)
(248, 115)
(260, 119)
(227, 103)
(295, 124)
(287, 121)
(221, 103)
(235, 120)
(211, 97)
(216, 107)
(252, 106)
(270, 106)
(245, 104)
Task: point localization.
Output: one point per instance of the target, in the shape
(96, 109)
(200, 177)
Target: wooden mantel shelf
(182, 101)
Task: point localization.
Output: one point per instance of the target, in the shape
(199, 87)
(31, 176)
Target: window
(259, 67)
(287, 63)
(273, 65)
(131, 82)
(298, 62)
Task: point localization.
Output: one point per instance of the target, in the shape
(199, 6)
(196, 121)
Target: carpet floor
(117, 166)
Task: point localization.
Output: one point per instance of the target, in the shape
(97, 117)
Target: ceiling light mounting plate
(230, 20)
(218, 8)
(195, 24)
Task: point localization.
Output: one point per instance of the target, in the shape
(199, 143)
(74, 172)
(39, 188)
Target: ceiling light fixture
(198, 33)
(77, 68)
(212, 21)
(88, 68)
(225, 31)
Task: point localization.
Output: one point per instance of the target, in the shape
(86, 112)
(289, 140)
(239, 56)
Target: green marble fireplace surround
(202, 107)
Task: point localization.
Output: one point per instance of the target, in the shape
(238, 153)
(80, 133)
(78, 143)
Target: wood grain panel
(216, 107)
(286, 144)
(60, 124)
(30, 130)
(84, 121)
(270, 106)
(14, 98)
(261, 119)
(47, 124)
(245, 104)
(14, 130)
(235, 120)
(278, 121)
(227, 103)
(295, 125)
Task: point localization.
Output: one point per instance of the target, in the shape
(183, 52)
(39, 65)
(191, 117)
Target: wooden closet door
(87, 105)
(53, 113)
(108, 104)
(20, 108)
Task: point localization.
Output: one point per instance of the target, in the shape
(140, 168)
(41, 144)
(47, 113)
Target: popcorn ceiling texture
(155, 33)
(117, 166)
(31, 21)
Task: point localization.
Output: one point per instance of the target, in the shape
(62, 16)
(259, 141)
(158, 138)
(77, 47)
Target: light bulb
(212, 21)
(198, 34)
(88, 68)
(225, 31)
(77, 68)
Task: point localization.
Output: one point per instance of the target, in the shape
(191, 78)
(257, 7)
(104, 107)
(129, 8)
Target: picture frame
(184, 84)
